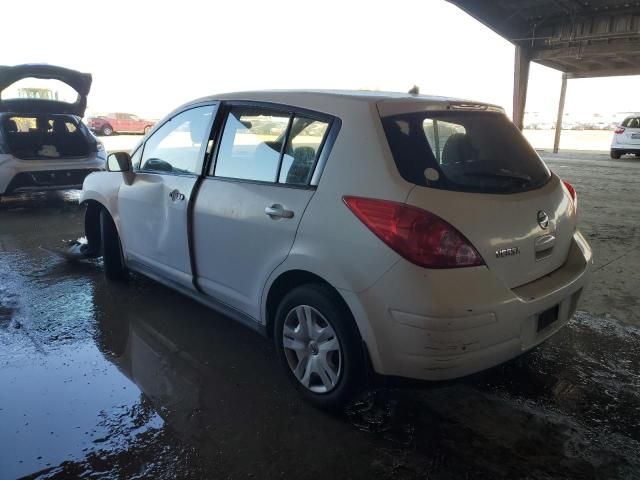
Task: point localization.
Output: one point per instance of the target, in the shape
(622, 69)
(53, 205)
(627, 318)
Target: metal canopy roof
(583, 38)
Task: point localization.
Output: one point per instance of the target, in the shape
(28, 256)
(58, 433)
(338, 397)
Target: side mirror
(119, 162)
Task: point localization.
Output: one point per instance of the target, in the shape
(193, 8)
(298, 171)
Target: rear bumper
(626, 148)
(440, 325)
(17, 176)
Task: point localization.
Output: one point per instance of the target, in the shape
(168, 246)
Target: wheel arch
(289, 279)
(283, 284)
(99, 192)
(92, 222)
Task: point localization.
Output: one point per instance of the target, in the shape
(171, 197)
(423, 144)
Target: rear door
(249, 207)
(153, 209)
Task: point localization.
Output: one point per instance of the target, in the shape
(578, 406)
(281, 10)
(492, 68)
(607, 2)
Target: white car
(407, 235)
(626, 138)
(44, 145)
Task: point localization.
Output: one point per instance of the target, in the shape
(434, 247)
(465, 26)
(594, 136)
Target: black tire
(615, 154)
(352, 366)
(112, 257)
(106, 130)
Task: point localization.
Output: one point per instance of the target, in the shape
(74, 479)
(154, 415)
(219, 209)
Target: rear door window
(464, 151)
(264, 145)
(251, 144)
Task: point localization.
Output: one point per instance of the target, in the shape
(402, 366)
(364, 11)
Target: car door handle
(176, 196)
(278, 211)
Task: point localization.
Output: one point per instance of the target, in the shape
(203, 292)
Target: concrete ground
(108, 380)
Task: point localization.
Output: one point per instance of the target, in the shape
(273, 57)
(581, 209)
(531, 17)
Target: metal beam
(563, 94)
(605, 73)
(588, 51)
(520, 84)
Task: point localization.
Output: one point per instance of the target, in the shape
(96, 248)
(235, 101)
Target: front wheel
(106, 130)
(147, 129)
(319, 345)
(112, 257)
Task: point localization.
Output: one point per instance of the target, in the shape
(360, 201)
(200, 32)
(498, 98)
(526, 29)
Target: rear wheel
(106, 130)
(615, 154)
(319, 346)
(112, 257)
(147, 129)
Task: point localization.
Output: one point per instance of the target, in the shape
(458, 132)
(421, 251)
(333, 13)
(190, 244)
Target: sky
(148, 57)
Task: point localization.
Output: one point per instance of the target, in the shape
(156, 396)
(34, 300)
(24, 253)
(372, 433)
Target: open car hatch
(78, 81)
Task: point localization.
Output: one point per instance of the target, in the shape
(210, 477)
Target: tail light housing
(417, 235)
(572, 192)
(618, 130)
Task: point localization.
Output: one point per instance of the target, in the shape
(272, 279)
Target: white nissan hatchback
(407, 235)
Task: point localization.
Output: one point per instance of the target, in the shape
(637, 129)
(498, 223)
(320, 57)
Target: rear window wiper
(499, 174)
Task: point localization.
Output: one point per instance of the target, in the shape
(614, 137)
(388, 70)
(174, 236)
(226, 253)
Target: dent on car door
(247, 213)
(153, 209)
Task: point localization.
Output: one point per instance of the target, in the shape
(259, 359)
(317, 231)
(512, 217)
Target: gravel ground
(104, 380)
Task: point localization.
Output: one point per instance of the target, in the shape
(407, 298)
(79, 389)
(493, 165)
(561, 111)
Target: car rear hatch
(473, 168)
(630, 134)
(17, 95)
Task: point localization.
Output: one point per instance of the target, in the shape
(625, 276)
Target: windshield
(464, 151)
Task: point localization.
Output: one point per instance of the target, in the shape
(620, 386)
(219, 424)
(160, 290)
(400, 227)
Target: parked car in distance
(626, 138)
(119, 123)
(439, 247)
(43, 143)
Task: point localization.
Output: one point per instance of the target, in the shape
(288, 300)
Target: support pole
(563, 94)
(520, 83)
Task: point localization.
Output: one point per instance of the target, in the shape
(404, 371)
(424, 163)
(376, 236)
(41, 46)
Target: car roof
(309, 98)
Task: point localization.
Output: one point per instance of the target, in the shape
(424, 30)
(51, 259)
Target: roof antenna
(415, 90)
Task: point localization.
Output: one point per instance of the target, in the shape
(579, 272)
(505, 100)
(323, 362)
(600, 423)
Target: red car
(119, 123)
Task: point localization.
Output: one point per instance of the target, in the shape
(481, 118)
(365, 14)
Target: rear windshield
(633, 122)
(464, 151)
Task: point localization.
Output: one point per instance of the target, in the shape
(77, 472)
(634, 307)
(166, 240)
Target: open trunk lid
(80, 82)
(473, 168)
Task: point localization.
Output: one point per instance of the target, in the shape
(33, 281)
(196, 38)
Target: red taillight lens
(572, 192)
(618, 131)
(419, 236)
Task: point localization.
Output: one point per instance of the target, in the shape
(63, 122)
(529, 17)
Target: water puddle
(133, 380)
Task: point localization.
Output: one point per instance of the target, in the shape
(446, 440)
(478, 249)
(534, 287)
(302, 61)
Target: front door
(247, 213)
(153, 209)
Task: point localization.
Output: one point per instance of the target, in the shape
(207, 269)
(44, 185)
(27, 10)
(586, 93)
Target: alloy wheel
(312, 349)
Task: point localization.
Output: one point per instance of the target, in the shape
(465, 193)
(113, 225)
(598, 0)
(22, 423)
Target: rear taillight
(618, 130)
(572, 192)
(419, 236)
